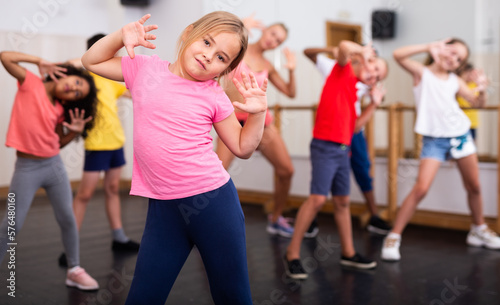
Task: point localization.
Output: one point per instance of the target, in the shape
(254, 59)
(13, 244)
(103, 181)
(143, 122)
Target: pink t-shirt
(32, 127)
(173, 116)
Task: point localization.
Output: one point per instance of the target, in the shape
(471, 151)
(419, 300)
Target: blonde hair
(215, 22)
(281, 25)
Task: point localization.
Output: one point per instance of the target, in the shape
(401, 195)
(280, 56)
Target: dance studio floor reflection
(436, 267)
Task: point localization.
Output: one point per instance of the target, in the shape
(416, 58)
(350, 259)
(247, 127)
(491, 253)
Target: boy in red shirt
(333, 131)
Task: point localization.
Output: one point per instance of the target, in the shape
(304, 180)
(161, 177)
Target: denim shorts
(331, 168)
(443, 149)
(103, 160)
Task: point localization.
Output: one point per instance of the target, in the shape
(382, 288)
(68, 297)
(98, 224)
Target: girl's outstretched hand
(291, 62)
(251, 23)
(255, 97)
(439, 48)
(51, 69)
(78, 120)
(377, 94)
(136, 34)
(368, 53)
(480, 79)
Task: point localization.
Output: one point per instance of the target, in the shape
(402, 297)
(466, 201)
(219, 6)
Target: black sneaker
(293, 269)
(129, 246)
(358, 262)
(63, 262)
(313, 229)
(378, 226)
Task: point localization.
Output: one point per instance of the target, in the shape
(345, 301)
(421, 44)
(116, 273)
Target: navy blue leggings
(214, 223)
(360, 162)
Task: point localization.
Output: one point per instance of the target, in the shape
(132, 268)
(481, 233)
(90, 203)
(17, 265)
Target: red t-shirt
(336, 115)
(32, 127)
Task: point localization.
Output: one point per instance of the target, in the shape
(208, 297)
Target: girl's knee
(83, 197)
(286, 172)
(112, 188)
(473, 188)
(420, 191)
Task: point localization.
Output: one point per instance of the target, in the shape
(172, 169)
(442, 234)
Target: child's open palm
(255, 97)
(290, 59)
(480, 78)
(78, 120)
(377, 94)
(51, 69)
(136, 34)
(439, 49)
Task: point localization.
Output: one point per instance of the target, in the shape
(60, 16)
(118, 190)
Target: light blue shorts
(443, 149)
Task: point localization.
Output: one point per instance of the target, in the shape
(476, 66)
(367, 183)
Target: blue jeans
(214, 223)
(360, 162)
(443, 149)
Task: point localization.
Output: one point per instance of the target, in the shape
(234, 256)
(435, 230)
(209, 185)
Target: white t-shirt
(438, 113)
(325, 66)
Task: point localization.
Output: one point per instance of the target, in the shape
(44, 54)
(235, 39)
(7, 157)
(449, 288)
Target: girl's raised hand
(255, 97)
(368, 53)
(51, 69)
(136, 34)
(291, 62)
(377, 94)
(438, 49)
(480, 79)
(78, 120)
(251, 23)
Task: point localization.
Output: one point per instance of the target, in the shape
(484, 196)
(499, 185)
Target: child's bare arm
(312, 53)
(377, 94)
(476, 97)
(348, 48)
(100, 58)
(415, 68)
(287, 88)
(11, 60)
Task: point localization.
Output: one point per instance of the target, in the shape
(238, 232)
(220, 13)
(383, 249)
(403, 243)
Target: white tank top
(438, 112)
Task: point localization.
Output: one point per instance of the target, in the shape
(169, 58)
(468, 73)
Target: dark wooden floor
(437, 267)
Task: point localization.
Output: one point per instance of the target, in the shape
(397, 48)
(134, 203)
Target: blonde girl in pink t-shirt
(192, 200)
(41, 109)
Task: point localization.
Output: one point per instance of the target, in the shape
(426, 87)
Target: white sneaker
(483, 238)
(390, 249)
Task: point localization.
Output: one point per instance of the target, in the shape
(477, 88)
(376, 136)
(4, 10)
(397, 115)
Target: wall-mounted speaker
(135, 2)
(383, 24)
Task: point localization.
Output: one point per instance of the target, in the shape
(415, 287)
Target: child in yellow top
(468, 74)
(104, 152)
